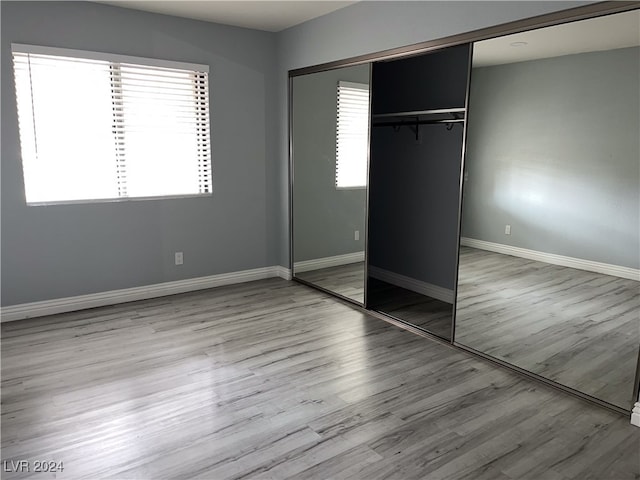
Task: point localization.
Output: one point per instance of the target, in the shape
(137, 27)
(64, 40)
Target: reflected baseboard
(418, 286)
(564, 261)
(328, 262)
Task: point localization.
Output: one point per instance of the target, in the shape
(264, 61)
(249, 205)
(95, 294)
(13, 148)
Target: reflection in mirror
(549, 258)
(330, 121)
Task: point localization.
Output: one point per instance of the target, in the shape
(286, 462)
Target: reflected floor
(424, 312)
(577, 328)
(345, 280)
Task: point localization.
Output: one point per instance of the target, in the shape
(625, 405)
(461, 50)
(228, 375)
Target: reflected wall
(550, 245)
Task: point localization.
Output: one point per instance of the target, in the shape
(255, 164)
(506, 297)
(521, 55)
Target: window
(96, 126)
(352, 129)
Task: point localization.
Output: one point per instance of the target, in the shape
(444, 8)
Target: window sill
(117, 200)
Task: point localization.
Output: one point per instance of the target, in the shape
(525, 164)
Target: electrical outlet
(179, 258)
(356, 235)
(507, 229)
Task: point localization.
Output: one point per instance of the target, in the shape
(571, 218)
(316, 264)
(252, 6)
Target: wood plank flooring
(346, 280)
(578, 328)
(274, 380)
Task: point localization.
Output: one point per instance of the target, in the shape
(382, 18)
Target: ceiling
(268, 15)
(603, 33)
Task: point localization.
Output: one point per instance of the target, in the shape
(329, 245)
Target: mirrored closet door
(330, 142)
(550, 249)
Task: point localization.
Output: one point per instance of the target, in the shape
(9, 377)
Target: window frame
(195, 68)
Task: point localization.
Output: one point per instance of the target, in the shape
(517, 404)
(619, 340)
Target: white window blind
(352, 130)
(95, 126)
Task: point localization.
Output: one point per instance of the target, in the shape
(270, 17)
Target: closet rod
(415, 125)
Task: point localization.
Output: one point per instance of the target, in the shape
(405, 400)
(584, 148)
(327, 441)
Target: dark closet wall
(414, 202)
(436, 80)
(415, 183)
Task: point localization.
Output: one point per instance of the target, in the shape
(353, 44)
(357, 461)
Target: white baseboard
(635, 415)
(112, 297)
(580, 264)
(282, 272)
(418, 286)
(327, 262)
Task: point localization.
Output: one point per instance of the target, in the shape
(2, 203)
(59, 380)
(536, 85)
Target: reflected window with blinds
(96, 126)
(351, 135)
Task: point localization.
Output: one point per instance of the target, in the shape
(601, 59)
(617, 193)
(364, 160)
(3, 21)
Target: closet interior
(418, 109)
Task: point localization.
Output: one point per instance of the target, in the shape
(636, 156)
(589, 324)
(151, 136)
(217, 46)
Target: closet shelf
(422, 113)
(413, 120)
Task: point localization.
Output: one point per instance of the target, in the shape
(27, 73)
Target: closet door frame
(290, 147)
(547, 20)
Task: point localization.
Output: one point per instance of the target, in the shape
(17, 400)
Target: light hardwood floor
(346, 280)
(578, 328)
(272, 379)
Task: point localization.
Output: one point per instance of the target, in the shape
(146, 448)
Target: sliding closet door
(417, 137)
(330, 126)
(549, 277)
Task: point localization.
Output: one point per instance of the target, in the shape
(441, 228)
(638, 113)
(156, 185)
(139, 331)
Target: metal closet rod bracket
(415, 123)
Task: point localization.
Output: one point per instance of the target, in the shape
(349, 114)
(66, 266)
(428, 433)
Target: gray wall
(368, 27)
(553, 150)
(324, 217)
(58, 251)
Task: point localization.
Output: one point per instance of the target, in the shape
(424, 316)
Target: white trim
(358, 86)
(327, 262)
(283, 272)
(113, 297)
(420, 112)
(580, 264)
(107, 57)
(118, 199)
(357, 187)
(635, 415)
(418, 286)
